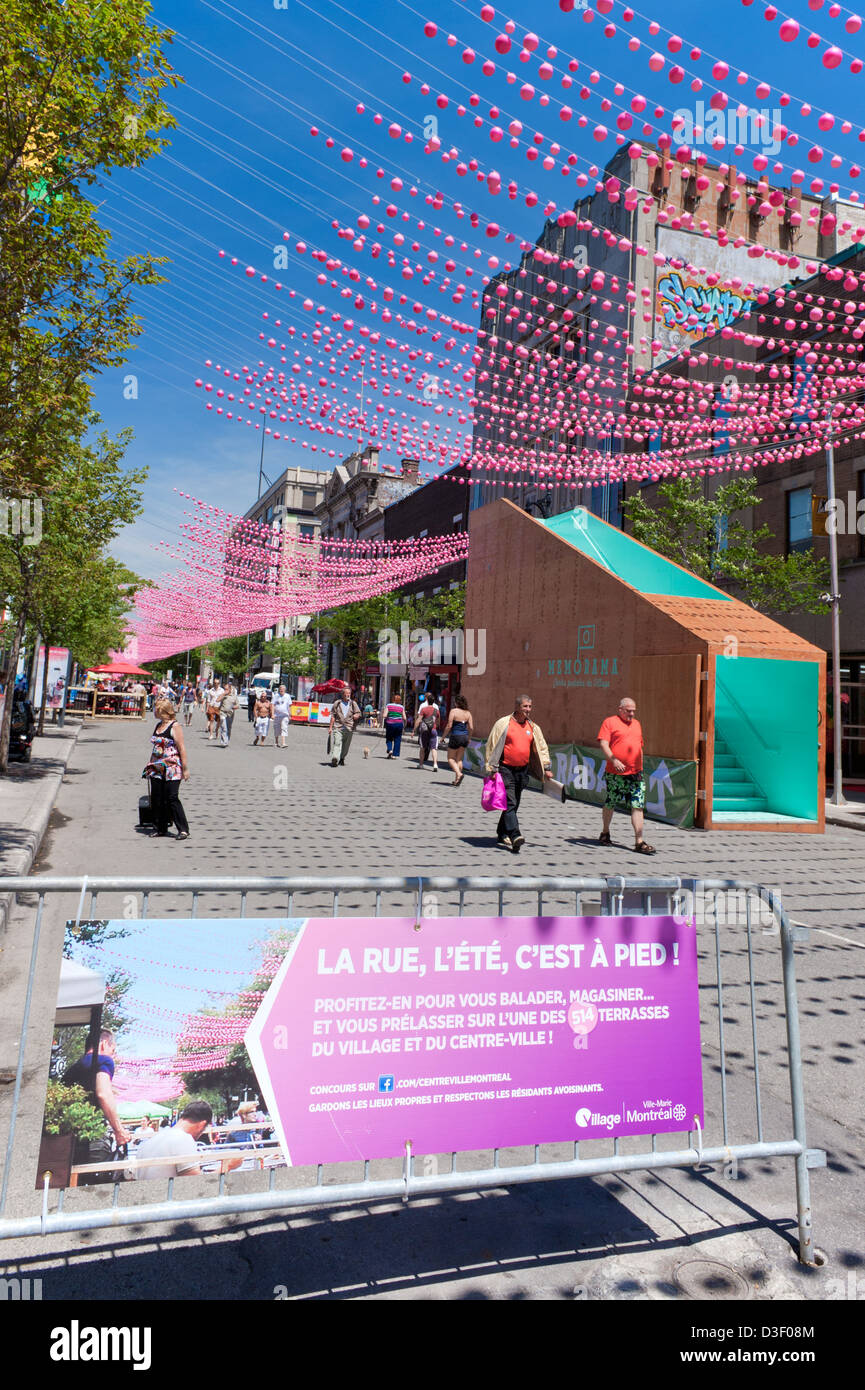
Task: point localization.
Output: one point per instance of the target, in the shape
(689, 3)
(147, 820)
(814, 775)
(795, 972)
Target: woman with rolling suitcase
(165, 771)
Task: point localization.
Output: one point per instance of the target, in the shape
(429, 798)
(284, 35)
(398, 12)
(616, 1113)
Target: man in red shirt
(621, 740)
(518, 750)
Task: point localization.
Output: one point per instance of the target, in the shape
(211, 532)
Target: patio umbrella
(119, 668)
(328, 687)
(137, 1109)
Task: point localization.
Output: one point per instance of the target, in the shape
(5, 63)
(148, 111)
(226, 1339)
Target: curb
(851, 820)
(35, 824)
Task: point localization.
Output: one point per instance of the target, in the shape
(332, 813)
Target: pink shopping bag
(494, 797)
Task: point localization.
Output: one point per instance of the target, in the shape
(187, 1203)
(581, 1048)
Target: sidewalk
(27, 797)
(852, 815)
(273, 811)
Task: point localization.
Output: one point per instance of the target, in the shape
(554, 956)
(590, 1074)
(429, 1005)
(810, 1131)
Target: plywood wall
(562, 629)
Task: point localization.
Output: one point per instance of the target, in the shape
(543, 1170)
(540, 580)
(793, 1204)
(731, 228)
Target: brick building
(662, 205)
(793, 490)
(439, 508)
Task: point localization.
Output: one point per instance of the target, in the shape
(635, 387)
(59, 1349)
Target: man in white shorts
(263, 713)
(281, 713)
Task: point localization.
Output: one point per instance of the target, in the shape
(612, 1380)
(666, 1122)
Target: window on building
(307, 531)
(799, 535)
(309, 499)
(860, 497)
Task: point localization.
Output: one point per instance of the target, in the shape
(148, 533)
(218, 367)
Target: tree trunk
(6, 722)
(44, 690)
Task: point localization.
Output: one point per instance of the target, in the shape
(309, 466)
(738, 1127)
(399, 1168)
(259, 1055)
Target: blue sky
(242, 168)
(181, 967)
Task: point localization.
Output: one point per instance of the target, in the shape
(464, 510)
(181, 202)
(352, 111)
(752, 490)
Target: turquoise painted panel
(767, 712)
(645, 570)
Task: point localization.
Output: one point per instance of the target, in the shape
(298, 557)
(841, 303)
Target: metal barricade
(731, 918)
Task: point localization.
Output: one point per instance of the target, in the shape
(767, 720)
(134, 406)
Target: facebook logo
(385, 1084)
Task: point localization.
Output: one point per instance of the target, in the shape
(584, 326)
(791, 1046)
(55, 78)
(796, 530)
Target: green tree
(80, 89)
(354, 627)
(705, 536)
(296, 656)
(229, 654)
(84, 607)
(89, 498)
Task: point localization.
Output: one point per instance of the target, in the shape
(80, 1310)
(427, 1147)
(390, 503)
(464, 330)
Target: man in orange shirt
(621, 740)
(518, 750)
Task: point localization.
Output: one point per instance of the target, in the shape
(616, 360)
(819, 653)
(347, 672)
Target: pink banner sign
(478, 1032)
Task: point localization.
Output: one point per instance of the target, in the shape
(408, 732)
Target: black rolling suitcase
(145, 808)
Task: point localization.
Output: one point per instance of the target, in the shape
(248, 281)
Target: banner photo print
(477, 1033)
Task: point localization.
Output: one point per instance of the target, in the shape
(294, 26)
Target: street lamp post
(838, 798)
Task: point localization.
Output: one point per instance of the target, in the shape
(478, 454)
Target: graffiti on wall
(689, 309)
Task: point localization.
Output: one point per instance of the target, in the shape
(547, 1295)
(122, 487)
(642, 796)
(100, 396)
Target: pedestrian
(457, 731)
(281, 716)
(345, 715)
(250, 703)
(95, 1073)
(518, 750)
(394, 719)
(214, 700)
(166, 769)
(426, 726)
(263, 716)
(227, 711)
(188, 704)
(621, 740)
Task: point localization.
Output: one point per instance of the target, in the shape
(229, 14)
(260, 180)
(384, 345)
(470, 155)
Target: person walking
(166, 769)
(518, 750)
(263, 716)
(214, 700)
(281, 716)
(188, 704)
(621, 740)
(457, 731)
(227, 711)
(345, 716)
(394, 719)
(426, 726)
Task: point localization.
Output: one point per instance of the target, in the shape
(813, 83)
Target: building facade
(439, 508)
(587, 300)
(289, 508)
(792, 490)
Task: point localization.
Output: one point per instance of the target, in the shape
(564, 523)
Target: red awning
(328, 687)
(119, 668)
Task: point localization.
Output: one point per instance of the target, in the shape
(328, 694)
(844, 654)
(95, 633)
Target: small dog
(366, 752)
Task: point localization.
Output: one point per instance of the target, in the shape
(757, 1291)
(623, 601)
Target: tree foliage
(80, 89)
(706, 537)
(355, 626)
(296, 656)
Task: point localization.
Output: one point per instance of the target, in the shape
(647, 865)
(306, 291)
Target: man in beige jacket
(518, 750)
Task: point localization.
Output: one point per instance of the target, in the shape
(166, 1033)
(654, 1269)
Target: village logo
(585, 663)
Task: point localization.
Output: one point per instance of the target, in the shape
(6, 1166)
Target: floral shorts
(626, 792)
